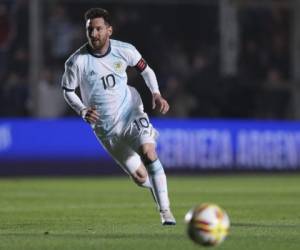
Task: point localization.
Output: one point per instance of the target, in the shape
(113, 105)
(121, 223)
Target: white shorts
(123, 147)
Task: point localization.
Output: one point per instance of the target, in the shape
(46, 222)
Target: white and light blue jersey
(103, 82)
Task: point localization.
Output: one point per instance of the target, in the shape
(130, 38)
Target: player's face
(98, 33)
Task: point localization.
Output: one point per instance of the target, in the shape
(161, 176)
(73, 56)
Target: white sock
(147, 183)
(159, 183)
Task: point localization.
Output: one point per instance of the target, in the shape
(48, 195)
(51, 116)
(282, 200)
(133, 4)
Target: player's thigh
(141, 132)
(123, 154)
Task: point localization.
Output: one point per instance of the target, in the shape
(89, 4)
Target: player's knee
(148, 154)
(140, 176)
(140, 181)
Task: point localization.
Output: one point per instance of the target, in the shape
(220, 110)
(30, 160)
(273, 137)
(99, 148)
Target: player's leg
(140, 176)
(141, 136)
(130, 162)
(158, 180)
(127, 159)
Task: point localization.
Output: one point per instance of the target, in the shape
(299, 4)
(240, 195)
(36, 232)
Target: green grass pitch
(113, 213)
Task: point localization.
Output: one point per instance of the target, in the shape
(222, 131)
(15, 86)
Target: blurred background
(229, 68)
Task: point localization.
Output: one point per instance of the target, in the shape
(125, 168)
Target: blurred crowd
(181, 44)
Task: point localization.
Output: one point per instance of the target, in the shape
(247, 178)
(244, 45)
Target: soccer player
(114, 109)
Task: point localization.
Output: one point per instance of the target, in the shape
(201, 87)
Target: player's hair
(98, 12)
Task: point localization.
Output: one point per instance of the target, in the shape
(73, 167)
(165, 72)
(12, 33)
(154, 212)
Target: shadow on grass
(97, 235)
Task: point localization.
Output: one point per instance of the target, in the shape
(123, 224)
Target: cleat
(167, 218)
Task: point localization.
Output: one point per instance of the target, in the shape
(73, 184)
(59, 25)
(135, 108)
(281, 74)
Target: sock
(147, 183)
(159, 183)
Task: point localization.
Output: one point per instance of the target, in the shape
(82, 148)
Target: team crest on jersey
(118, 66)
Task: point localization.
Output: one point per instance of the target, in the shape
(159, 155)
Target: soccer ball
(207, 224)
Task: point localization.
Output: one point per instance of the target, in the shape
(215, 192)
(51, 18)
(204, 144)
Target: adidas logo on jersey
(92, 73)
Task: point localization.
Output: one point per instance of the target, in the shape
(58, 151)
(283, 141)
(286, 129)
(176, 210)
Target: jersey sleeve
(133, 56)
(70, 79)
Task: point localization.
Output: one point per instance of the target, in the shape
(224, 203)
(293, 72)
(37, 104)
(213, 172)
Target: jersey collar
(89, 49)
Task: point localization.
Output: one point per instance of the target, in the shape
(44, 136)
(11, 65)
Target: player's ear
(110, 30)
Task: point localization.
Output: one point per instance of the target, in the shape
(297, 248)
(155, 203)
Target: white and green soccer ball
(207, 224)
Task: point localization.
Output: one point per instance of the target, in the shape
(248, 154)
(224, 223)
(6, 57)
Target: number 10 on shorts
(141, 122)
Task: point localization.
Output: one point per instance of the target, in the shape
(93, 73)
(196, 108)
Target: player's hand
(160, 103)
(90, 115)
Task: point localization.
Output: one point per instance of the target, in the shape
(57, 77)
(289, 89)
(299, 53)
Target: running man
(114, 109)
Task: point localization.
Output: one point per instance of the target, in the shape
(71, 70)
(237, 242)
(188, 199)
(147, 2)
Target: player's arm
(151, 81)
(69, 84)
(89, 114)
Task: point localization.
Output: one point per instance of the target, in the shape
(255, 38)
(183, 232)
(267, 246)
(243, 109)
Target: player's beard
(98, 44)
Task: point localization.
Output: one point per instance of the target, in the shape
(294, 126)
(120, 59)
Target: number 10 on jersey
(108, 81)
